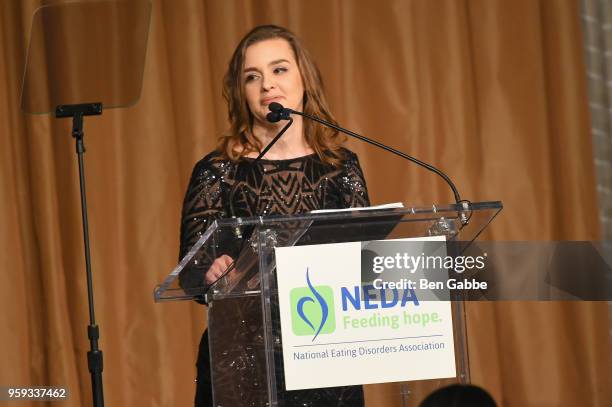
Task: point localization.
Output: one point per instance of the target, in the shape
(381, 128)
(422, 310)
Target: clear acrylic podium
(243, 315)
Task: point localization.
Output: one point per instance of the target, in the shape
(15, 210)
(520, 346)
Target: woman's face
(271, 74)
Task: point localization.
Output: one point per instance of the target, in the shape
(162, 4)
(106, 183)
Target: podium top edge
(448, 210)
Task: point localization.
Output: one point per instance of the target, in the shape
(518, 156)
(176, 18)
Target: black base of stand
(96, 365)
(94, 356)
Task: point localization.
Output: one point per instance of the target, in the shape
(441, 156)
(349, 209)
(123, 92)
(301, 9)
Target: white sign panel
(335, 333)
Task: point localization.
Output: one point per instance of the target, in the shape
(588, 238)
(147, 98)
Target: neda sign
(339, 331)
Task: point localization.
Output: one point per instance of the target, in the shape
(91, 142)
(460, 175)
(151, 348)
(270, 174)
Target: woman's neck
(292, 143)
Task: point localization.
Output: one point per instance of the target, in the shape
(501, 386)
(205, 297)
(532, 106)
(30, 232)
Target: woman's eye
(250, 78)
(280, 69)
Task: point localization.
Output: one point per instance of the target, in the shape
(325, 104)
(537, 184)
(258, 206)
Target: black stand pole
(94, 356)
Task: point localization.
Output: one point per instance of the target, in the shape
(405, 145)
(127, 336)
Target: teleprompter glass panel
(85, 52)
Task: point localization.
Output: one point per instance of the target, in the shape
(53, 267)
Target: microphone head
(275, 107)
(273, 117)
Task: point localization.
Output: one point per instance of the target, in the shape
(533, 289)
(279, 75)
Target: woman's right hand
(217, 268)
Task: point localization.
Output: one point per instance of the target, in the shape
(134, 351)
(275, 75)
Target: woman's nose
(267, 82)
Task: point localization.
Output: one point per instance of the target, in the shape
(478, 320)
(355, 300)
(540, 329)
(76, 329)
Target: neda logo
(312, 310)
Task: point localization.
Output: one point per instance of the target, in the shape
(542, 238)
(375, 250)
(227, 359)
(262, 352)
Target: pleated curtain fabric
(597, 27)
(494, 92)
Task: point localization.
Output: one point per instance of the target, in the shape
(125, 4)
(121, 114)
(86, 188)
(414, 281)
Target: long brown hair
(238, 141)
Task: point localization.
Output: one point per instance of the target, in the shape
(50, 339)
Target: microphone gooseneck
(272, 117)
(277, 110)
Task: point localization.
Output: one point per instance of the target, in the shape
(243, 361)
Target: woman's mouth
(267, 101)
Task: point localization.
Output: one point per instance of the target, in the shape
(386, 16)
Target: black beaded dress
(270, 187)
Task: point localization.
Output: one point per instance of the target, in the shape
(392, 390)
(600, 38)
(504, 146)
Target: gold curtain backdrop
(491, 91)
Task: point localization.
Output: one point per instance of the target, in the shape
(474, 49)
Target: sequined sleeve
(203, 204)
(353, 184)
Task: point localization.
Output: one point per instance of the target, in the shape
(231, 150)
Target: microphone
(273, 117)
(278, 110)
(277, 113)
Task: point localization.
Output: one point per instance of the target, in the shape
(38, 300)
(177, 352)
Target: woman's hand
(216, 269)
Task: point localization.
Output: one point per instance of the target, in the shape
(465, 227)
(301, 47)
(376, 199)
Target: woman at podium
(306, 169)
